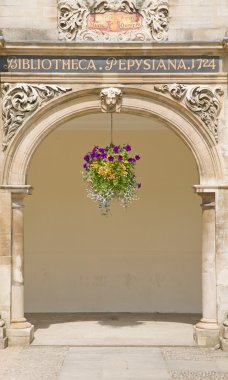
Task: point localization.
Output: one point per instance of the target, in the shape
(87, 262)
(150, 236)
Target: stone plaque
(113, 20)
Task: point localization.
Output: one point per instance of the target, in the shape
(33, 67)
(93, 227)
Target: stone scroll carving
(205, 102)
(111, 100)
(113, 20)
(20, 101)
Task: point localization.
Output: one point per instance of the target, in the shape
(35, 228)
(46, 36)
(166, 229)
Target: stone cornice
(209, 188)
(17, 189)
(73, 48)
(225, 43)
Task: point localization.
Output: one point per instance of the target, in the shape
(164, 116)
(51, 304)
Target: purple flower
(139, 185)
(85, 166)
(137, 157)
(86, 158)
(116, 149)
(111, 158)
(97, 156)
(102, 150)
(132, 160)
(104, 156)
(120, 158)
(128, 148)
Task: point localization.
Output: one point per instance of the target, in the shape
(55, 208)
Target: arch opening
(142, 260)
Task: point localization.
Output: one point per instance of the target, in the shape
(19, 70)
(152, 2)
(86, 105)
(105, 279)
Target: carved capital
(111, 99)
(225, 43)
(205, 102)
(20, 101)
(74, 15)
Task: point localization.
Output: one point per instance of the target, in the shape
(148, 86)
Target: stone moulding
(204, 101)
(20, 101)
(73, 15)
(111, 100)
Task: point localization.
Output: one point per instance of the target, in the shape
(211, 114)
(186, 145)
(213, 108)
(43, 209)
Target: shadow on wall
(113, 320)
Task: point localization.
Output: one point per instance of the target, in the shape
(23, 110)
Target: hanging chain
(111, 128)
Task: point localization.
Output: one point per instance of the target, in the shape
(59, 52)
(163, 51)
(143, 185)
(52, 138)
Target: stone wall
(189, 19)
(28, 20)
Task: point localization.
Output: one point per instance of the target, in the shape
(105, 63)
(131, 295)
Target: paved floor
(112, 363)
(113, 329)
(113, 347)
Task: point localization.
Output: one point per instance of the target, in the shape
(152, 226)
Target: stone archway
(135, 101)
(145, 103)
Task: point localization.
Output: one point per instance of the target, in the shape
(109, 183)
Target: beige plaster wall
(189, 19)
(145, 259)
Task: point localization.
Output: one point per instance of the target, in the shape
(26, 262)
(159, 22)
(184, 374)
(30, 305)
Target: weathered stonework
(203, 101)
(73, 18)
(20, 101)
(186, 100)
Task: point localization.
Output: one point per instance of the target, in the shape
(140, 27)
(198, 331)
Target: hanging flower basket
(110, 174)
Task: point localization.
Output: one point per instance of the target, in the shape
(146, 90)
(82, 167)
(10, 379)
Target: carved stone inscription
(205, 102)
(120, 65)
(22, 100)
(113, 20)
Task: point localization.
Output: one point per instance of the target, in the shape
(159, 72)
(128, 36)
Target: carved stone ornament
(203, 101)
(111, 100)
(20, 101)
(113, 20)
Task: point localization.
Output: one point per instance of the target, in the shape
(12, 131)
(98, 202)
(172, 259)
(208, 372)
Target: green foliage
(110, 174)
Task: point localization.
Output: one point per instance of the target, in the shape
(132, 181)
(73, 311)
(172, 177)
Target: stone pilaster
(19, 332)
(206, 332)
(5, 264)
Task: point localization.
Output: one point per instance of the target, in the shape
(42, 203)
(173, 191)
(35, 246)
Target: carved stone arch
(135, 101)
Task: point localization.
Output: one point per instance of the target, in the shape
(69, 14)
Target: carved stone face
(111, 99)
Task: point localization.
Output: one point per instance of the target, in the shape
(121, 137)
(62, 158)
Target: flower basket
(110, 174)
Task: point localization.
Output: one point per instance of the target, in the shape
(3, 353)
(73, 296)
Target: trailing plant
(110, 174)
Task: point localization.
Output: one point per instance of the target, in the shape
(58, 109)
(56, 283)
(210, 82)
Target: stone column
(206, 331)
(17, 292)
(5, 264)
(20, 331)
(224, 340)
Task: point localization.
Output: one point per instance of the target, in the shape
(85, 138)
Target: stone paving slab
(41, 363)
(112, 363)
